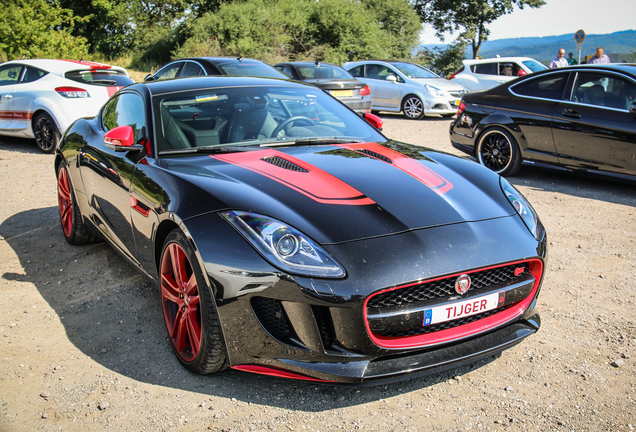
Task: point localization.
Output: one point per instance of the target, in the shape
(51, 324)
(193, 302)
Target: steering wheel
(289, 121)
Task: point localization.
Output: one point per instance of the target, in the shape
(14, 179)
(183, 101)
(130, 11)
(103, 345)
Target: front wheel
(47, 137)
(498, 151)
(189, 309)
(412, 107)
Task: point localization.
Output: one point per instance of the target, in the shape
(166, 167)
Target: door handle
(569, 113)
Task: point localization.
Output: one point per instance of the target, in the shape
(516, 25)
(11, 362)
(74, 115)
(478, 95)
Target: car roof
(59, 67)
(308, 63)
(213, 81)
(625, 68)
(496, 59)
(215, 60)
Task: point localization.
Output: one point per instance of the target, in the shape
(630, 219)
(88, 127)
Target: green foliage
(38, 28)
(469, 17)
(328, 30)
(442, 61)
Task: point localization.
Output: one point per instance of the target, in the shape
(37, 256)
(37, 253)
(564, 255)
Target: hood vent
(374, 155)
(284, 163)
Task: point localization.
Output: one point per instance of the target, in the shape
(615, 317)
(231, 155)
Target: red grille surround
(461, 331)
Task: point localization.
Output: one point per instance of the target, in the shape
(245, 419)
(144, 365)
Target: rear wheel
(412, 107)
(189, 310)
(70, 216)
(47, 137)
(498, 151)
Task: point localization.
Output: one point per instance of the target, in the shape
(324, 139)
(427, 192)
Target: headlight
(434, 90)
(284, 246)
(523, 208)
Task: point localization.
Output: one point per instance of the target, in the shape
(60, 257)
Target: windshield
(534, 65)
(104, 77)
(250, 69)
(262, 116)
(323, 72)
(414, 71)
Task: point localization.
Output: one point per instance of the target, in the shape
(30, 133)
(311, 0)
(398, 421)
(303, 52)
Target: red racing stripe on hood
(298, 175)
(410, 166)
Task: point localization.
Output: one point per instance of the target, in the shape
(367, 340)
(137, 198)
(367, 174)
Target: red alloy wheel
(181, 303)
(65, 202)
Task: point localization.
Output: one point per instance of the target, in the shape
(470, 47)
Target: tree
(38, 28)
(469, 17)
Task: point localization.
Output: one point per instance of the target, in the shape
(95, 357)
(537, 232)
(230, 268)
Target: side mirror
(522, 73)
(122, 138)
(374, 120)
(391, 78)
(149, 77)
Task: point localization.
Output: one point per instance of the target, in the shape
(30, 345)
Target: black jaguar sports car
(289, 237)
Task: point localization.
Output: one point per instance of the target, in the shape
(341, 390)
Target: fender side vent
(375, 155)
(284, 163)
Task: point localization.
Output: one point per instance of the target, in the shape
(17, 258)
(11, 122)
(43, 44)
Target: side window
(10, 74)
(126, 109)
(604, 90)
(379, 72)
(286, 70)
(32, 74)
(486, 68)
(192, 69)
(357, 71)
(548, 86)
(169, 71)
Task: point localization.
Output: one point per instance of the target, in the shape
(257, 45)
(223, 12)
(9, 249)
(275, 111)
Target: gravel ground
(82, 343)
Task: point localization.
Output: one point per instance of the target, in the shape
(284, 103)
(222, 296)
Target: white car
(487, 73)
(41, 98)
(400, 86)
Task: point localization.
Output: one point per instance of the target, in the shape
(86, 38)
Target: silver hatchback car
(399, 86)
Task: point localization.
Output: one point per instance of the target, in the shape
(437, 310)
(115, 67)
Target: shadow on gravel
(574, 184)
(113, 315)
(19, 145)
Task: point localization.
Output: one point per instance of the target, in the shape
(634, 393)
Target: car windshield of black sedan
(323, 72)
(209, 119)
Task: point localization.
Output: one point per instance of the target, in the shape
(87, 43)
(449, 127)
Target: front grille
(325, 325)
(443, 288)
(284, 163)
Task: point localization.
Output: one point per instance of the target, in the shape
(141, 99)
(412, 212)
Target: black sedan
(289, 237)
(334, 80)
(205, 66)
(579, 118)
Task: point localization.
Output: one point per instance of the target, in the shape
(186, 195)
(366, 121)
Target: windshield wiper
(310, 141)
(207, 149)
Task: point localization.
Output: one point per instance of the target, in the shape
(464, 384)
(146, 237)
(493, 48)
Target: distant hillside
(545, 48)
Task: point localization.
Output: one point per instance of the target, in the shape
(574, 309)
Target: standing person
(600, 57)
(559, 60)
(571, 60)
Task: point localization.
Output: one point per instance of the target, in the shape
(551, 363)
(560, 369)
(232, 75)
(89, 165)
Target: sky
(558, 17)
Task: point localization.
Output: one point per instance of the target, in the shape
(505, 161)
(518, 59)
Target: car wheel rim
(181, 303)
(65, 203)
(413, 108)
(495, 152)
(44, 134)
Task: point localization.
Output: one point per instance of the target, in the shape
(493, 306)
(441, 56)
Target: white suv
(488, 73)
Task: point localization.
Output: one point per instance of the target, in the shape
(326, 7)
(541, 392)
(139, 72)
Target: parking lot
(83, 345)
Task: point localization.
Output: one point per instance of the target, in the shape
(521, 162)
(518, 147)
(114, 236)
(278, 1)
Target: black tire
(189, 309)
(412, 107)
(498, 151)
(47, 137)
(70, 217)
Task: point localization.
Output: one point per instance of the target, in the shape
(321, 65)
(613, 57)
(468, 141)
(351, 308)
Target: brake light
(462, 107)
(72, 92)
(365, 91)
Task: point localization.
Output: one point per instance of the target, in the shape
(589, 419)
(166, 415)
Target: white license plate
(342, 93)
(461, 309)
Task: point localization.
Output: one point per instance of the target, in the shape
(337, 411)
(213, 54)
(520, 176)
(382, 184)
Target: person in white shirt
(559, 60)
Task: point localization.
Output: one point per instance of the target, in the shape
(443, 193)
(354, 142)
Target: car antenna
(317, 63)
(240, 58)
